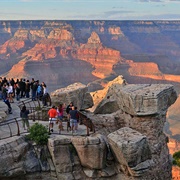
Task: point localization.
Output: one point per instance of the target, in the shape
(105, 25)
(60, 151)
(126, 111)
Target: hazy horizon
(89, 10)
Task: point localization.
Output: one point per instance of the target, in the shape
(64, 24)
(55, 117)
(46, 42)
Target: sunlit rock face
(174, 146)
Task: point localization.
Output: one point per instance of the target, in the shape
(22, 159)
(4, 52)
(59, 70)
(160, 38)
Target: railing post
(18, 130)
(10, 131)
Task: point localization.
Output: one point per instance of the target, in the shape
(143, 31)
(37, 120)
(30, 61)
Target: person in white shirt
(10, 92)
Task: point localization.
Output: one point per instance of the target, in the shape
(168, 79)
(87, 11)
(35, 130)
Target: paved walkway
(11, 129)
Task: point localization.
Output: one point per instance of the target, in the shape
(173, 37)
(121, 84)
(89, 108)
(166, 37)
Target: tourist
(60, 110)
(45, 95)
(73, 113)
(5, 98)
(22, 86)
(52, 117)
(17, 89)
(69, 107)
(24, 115)
(27, 88)
(10, 92)
(39, 91)
(34, 86)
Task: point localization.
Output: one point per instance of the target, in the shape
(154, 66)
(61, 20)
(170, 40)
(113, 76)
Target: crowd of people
(22, 88)
(56, 116)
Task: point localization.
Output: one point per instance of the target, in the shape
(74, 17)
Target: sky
(89, 9)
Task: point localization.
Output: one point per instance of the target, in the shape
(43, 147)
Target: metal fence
(13, 127)
(10, 128)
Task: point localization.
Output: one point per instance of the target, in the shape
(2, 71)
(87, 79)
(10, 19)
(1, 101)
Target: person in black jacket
(24, 115)
(27, 88)
(69, 107)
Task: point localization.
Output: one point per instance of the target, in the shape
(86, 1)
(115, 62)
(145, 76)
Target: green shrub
(176, 157)
(38, 133)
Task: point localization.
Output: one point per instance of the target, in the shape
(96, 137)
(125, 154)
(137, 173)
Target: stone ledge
(145, 99)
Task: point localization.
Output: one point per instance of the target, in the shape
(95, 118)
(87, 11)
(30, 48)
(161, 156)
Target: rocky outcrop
(65, 159)
(76, 93)
(134, 127)
(81, 157)
(142, 108)
(129, 142)
(142, 99)
(100, 95)
(21, 160)
(173, 145)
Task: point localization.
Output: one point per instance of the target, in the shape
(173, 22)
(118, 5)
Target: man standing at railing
(52, 117)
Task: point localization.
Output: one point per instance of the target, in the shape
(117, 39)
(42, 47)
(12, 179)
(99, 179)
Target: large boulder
(91, 151)
(65, 158)
(99, 95)
(138, 99)
(131, 150)
(76, 93)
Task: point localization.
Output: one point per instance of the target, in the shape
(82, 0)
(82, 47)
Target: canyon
(94, 52)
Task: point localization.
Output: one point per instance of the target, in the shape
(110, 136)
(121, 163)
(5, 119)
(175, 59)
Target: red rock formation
(41, 51)
(150, 70)
(18, 70)
(12, 46)
(61, 42)
(173, 146)
(61, 34)
(100, 57)
(16, 43)
(175, 173)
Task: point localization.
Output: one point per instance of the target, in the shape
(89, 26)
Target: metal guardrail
(13, 127)
(38, 113)
(10, 128)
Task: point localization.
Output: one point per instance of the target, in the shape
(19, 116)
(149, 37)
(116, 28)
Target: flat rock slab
(145, 99)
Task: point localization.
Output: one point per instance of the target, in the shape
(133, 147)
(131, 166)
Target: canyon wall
(105, 46)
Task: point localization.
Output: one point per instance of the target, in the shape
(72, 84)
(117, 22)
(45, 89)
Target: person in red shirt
(52, 117)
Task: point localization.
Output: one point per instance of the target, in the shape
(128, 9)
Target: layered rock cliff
(100, 43)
